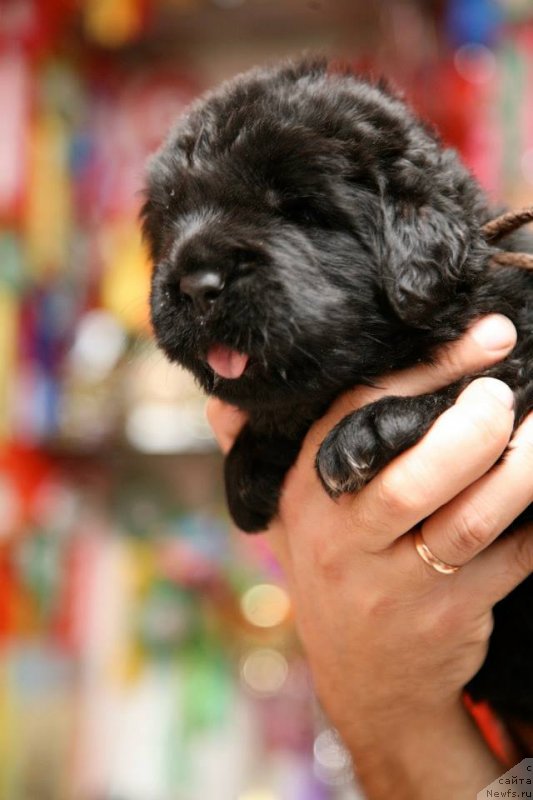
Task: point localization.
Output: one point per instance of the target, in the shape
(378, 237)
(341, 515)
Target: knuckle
(377, 605)
(438, 624)
(442, 626)
(472, 530)
(402, 492)
(327, 558)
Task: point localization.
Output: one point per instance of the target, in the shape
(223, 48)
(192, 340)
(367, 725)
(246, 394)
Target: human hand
(390, 641)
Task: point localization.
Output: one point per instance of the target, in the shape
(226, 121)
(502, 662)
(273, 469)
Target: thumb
(226, 422)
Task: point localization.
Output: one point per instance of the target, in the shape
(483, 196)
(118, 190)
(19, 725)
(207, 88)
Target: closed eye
(314, 212)
(304, 211)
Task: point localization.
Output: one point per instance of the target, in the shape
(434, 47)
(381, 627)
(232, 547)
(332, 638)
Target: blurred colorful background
(146, 648)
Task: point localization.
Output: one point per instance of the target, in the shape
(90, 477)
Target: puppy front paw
(348, 457)
(363, 442)
(254, 471)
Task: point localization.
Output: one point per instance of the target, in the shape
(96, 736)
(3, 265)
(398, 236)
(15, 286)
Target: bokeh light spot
(475, 63)
(265, 605)
(264, 671)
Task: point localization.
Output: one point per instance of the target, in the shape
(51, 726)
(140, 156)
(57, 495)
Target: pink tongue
(225, 362)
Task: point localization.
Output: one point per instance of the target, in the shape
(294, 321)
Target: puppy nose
(203, 288)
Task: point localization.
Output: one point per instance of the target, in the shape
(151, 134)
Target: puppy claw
(344, 478)
(332, 487)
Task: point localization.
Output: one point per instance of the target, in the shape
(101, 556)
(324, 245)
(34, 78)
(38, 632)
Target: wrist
(438, 753)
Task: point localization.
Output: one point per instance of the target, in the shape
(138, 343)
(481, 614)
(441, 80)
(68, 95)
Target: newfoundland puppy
(308, 234)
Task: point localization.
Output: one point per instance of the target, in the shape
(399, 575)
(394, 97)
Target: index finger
(486, 342)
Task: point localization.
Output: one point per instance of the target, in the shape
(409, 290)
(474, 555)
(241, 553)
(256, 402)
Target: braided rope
(501, 226)
(506, 223)
(509, 259)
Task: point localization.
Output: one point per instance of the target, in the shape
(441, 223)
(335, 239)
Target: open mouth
(227, 363)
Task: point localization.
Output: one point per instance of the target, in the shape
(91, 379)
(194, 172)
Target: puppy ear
(424, 260)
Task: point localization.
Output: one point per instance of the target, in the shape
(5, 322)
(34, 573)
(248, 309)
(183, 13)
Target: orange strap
(494, 732)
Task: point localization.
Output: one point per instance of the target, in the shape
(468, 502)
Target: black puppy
(309, 234)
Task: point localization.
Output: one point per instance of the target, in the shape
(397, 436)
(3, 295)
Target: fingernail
(499, 390)
(495, 332)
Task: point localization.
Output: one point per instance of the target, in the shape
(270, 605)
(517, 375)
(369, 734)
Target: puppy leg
(254, 471)
(365, 441)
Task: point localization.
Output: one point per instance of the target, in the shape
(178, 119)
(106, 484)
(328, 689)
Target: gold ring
(430, 558)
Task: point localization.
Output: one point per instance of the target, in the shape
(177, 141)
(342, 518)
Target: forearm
(436, 757)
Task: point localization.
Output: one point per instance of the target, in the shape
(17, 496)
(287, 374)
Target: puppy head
(299, 222)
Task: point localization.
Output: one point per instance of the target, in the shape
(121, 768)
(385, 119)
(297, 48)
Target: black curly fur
(348, 241)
